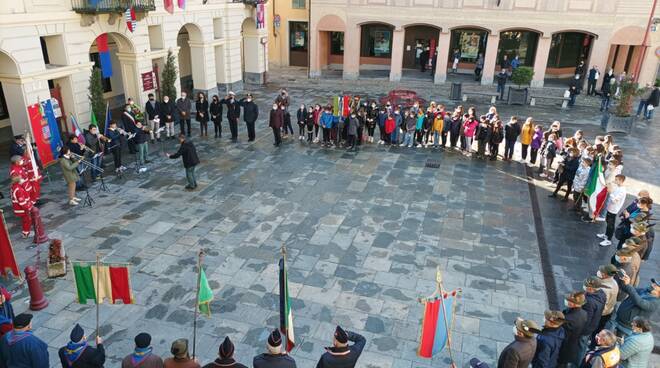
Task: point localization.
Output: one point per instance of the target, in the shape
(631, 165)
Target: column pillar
(490, 59)
(620, 62)
(352, 52)
(444, 38)
(396, 62)
(202, 60)
(19, 95)
(541, 61)
(600, 52)
(131, 66)
(648, 69)
(314, 50)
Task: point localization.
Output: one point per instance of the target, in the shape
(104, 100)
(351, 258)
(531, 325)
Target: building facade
(551, 36)
(288, 32)
(49, 47)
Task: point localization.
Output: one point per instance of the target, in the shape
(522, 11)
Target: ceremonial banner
(108, 118)
(131, 20)
(182, 4)
(104, 55)
(261, 14)
(45, 131)
(169, 6)
(286, 315)
(7, 258)
(434, 334)
(205, 294)
(98, 283)
(76, 128)
(596, 189)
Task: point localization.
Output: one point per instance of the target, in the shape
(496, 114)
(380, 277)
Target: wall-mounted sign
(148, 81)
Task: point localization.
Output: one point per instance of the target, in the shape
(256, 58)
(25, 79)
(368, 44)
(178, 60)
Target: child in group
(286, 127)
(483, 133)
(496, 137)
(579, 182)
(419, 127)
(469, 128)
(537, 141)
(390, 126)
(317, 116)
(526, 134)
(567, 173)
(310, 123)
(548, 153)
(326, 121)
(438, 125)
(301, 115)
(410, 123)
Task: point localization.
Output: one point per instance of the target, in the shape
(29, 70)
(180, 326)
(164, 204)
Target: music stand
(88, 201)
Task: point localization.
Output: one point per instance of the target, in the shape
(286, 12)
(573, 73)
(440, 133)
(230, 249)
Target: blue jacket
(594, 306)
(381, 119)
(638, 303)
(420, 122)
(636, 350)
(548, 343)
(23, 350)
(326, 120)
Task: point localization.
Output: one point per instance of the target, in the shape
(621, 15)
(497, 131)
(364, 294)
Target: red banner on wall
(42, 134)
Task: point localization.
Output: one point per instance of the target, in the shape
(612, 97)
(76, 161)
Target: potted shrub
(522, 76)
(622, 120)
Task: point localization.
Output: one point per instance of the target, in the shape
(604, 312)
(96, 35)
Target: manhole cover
(432, 164)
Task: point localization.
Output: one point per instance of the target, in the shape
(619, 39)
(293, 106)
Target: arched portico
(253, 53)
(328, 34)
(114, 54)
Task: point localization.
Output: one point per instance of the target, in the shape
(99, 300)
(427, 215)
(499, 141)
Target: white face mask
(274, 107)
(566, 303)
(599, 274)
(249, 100)
(515, 330)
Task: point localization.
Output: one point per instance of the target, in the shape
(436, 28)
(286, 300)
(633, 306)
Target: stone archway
(113, 53)
(328, 34)
(12, 101)
(191, 57)
(251, 53)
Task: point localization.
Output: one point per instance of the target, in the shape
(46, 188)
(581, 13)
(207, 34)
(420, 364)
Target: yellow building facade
(288, 32)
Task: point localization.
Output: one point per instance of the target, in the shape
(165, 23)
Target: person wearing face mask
(628, 260)
(637, 348)
(215, 110)
(372, 117)
(575, 318)
(202, 114)
(21, 348)
(69, 165)
(317, 117)
(275, 121)
(326, 121)
(152, 108)
(549, 341)
(233, 114)
(286, 124)
(300, 117)
(616, 195)
(309, 124)
(250, 115)
(382, 116)
(184, 106)
(606, 275)
(167, 117)
(78, 354)
(21, 203)
(594, 304)
(520, 352)
(606, 354)
(128, 121)
(640, 303)
(352, 130)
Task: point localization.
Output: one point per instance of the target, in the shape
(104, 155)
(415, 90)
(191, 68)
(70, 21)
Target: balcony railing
(250, 2)
(112, 6)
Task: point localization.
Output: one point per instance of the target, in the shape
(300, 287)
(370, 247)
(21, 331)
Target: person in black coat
(549, 340)
(17, 147)
(502, 76)
(215, 110)
(482, 135)
(595, 299)
(496, 137)
(78, 354)
(274, 358)
(188, 153)
(250, 115)
(654, 100)
(202, 114)
(511, 133)
(128, 122)
(568, 171)
(233, 114)
(152, 109)
(341, 355)
(225, 356)
(275, 122)
(575, 318)
(167, 110)
(454, 128)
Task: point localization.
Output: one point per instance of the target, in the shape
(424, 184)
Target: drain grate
(434, 164)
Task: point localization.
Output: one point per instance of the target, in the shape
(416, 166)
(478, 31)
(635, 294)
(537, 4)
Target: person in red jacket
(21, 202)
(390, 125)
(22, 167)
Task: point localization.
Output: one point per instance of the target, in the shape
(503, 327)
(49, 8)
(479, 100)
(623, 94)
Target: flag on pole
(7, 258)
(30, 153)
(169, 6)
(286, 315)
(113, 283)
(596, 189)
(182, 4)
(45, 131)
(108, 118)
(205, 294)
(131, 19)
(434, 334)
(76, 128)
(104, 55)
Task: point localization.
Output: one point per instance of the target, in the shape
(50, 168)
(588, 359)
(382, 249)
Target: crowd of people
(20, 347)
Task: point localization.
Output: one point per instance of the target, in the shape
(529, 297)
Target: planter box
(617, 124)
(56, 269)
(517, 96)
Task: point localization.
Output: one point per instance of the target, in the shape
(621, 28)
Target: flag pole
(199, 280)
(438, 279)
(98, 278)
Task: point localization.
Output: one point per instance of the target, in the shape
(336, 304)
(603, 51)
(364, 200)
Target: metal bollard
(38, 300)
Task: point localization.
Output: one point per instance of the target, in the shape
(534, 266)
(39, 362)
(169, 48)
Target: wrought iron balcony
(112, 6)
(250, 2)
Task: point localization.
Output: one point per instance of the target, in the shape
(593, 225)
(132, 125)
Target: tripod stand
(88, 201)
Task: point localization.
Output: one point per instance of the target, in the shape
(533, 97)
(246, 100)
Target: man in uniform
(225, 356)
(233, 113)
(341, 355)
(78, 354)
(20, 348)
(274, 358)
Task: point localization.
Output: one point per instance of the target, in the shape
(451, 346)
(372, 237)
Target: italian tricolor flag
(101, 282)
(205, 294)
(596, 189)
(286, 316)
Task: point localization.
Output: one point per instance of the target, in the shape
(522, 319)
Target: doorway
(419, 46)
(298, 43)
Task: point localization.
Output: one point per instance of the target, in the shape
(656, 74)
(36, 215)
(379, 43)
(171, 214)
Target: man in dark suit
(188, 153)
(340, 355)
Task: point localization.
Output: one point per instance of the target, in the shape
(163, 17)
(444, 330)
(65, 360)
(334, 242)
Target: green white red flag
(286, 315)
(596, 190)
(102, 282)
